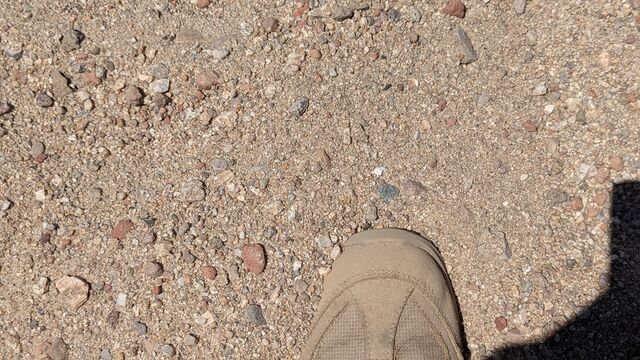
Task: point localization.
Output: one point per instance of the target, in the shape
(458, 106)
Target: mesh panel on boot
(345, 338)
(415, 338)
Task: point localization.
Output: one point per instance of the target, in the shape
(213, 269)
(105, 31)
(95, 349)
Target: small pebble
(219, 53)
(254, 315)
(13, 53)
(88, 105)
(160, 86)
(139, 328)
(37, 148)
(602, 175)
(133, 95)
(540, 89)
(168, 350)
(254, 258)
(71, 40)
(5, 205)
(519, 6)
(616, 163)
(105, 354)
(454, 8)
(209, 272)
(5, 108)
(388, 192)
(557, 197)
(601, 198)
(529, 126)
(269, 24)
(192, 191)
(201, 4)
(413, 37)
(315, 54)
(44, 100)
(342, 13)
(501, 323)
(299, 107)
(121, 299)
(576, 204)
(74, 289)
(121, 229)
(190, 340)
(336, 251)
(206, 80)
(153, 269)
(58, 350)
(469, 54)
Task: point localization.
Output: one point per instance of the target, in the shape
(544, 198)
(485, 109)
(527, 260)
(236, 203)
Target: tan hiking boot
(387, 297)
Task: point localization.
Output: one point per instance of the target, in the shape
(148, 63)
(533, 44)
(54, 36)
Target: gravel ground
(177, 177)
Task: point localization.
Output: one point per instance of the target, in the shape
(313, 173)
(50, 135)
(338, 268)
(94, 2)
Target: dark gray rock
(299, 107)
(467, 48)
(254, 315)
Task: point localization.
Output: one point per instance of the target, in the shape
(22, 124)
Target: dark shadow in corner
(610, 327)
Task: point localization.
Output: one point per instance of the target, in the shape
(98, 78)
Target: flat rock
(44, 100)
(342, 13)
(60, 85)
(121, 229)
(269, 24)
(74, 289)
(58, 350)
(133, 95)
(219, 53)
(207, 79)
(254, 315)
(388, 192)
(519, 6)
(153, 269)
(467, 48)
(191, 191)
(160, 86)
(71, 40)
(186, 36)
(454, 8)
(299, 107)
(13, 53)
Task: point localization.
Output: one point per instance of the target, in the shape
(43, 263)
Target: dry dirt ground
(150, 151)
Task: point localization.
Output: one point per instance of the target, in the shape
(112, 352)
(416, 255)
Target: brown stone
(442, 104)
(413, 37)
(530, 126)
(602, 175)
(601, 198)
(269, 24)
(501, 323)
(133, 95)
(202, 3)
(254, 258)
(315, 54)
(617, 163)
(576, 203)
(57, 350)
(40, 158)
(153, 269)
(207, 79)
(454, 8)
(209, 272)
(122, 228)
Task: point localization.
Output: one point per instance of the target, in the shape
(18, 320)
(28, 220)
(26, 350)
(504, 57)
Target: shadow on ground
(610, 327)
